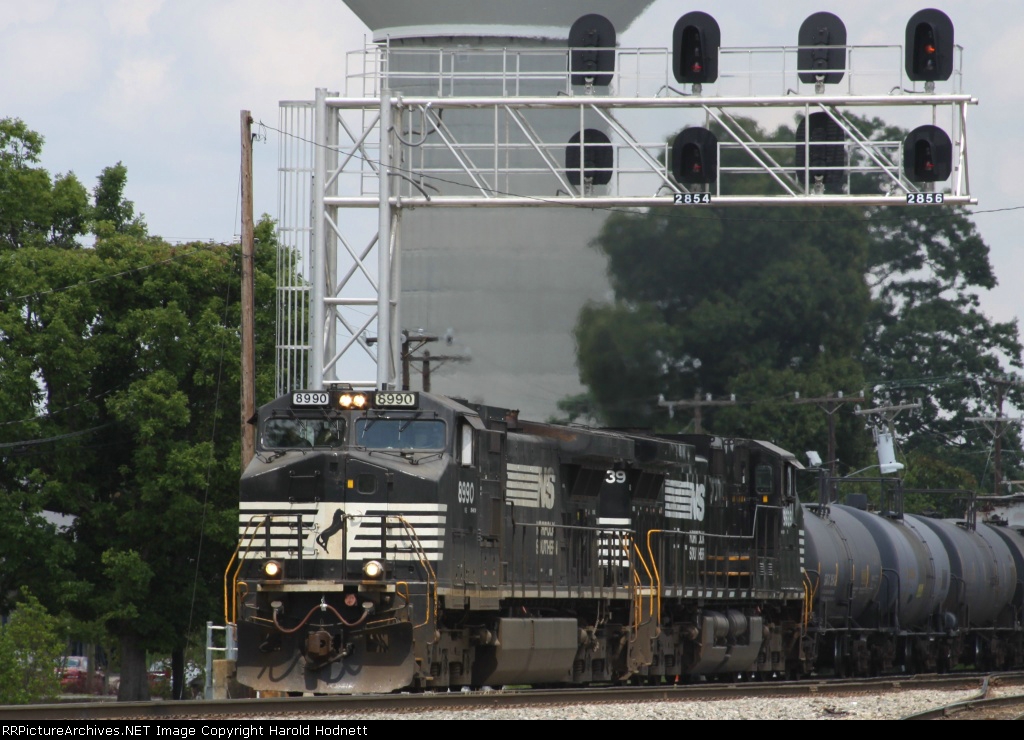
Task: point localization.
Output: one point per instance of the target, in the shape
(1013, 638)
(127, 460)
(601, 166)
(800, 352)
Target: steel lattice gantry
(502, 145)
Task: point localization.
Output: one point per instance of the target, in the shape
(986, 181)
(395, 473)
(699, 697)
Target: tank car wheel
(981, 660)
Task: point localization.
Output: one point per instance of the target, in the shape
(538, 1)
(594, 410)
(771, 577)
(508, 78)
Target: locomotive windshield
(288, 434)
(400, 434)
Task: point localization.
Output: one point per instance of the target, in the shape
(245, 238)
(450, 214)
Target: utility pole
(697, 404)
(426, 358)
(997, 426)
(830, 404)
(248, 318)
(413, 342)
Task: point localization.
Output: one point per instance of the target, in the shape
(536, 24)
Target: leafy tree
(31, 644)
(120, 371)
(111, 207)
(33, 553)
(36, 210)
(929, 340)
(765, 302)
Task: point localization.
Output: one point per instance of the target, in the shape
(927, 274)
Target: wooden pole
(248, 318)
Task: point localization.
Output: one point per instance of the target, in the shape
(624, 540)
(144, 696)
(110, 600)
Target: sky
(159, 84)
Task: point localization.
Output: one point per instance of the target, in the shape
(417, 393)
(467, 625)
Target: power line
(34, 442)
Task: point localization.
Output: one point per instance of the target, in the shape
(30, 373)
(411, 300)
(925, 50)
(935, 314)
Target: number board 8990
(396, 399)
(311, 398)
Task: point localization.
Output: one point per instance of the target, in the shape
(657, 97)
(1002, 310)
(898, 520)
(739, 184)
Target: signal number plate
(691, 199)
(924, 199)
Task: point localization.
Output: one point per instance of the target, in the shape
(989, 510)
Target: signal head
(695, 156)
(927, 155)
(695, 42)
(929, 46)
(589, 155)
(822, 49)
(592, 50)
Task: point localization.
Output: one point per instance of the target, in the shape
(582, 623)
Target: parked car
(75, 678)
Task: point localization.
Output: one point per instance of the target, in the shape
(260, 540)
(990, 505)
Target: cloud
(16, 14)
(130, 17)
(137, 89)
(262, 49)
(51, 61)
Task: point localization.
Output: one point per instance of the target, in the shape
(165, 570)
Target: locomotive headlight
(272, 570)
(373, 570)
(352, 400)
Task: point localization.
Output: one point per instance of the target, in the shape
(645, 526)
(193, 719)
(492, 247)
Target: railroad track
(298, 707)
(1006, 707)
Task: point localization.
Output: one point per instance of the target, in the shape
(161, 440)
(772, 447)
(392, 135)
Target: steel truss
(345, 287)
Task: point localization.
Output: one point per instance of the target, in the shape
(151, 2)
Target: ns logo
(467, 491)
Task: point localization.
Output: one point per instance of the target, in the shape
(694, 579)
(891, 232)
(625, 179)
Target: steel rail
(294, 707)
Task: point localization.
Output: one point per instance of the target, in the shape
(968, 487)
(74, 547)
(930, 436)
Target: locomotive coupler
(320, 648)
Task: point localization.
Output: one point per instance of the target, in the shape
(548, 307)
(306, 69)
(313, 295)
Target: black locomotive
(403, 540)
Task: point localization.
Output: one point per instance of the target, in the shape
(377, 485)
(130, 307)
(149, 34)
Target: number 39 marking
(921, 199)
(615, 476)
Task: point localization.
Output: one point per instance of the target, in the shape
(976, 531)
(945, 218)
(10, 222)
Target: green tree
(119, 382)
(111, 207)
(726, 301)
(31, 644)
(36, 210)
(929, 341)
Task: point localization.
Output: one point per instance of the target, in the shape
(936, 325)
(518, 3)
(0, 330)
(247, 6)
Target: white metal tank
(503, 286)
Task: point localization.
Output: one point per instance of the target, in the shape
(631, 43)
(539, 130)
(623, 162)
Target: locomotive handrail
(657, 576)
(431, 579)
(614, 535)
(231, 607)
(638, 599)
(810, 592)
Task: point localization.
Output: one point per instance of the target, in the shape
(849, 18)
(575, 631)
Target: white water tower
(506, 284)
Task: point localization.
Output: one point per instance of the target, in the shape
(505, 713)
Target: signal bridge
(589, 125)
